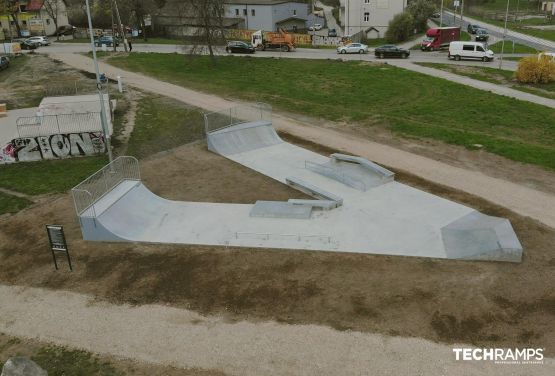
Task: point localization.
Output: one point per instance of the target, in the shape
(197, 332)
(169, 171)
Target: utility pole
(462, 9)
(441, 15)
(113, 31)
(120, 26)
(504, 35)
(103, 119)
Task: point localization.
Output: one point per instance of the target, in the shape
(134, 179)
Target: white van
(469, 50)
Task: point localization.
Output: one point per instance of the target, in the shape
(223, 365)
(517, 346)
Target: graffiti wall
(52, 147)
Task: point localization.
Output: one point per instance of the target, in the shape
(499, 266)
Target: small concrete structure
(386, 218)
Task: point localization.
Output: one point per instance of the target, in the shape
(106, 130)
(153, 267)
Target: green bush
(421, 10)
(400, 28)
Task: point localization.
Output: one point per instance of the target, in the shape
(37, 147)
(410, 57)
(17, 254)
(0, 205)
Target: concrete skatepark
(357, 205)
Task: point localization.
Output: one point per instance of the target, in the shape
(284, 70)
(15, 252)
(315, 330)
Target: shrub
(400, 28)
(421, 10)
(536, 69)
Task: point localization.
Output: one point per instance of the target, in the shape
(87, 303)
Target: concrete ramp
(242, 138)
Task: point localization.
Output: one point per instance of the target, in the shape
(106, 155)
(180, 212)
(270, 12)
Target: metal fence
(77, 87)
(214, 121)
(45, 125)
(92, 189)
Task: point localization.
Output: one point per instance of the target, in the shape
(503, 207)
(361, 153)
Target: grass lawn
(50, 176)
(162, 124)
(518, 48)
(12, 204)
(496, 76)
(405, 102)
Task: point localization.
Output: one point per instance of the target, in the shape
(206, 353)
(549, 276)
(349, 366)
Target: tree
(139, 9)
(11, 8)
(52, 8)
(207, 16)
(421, 10)
(400, 28)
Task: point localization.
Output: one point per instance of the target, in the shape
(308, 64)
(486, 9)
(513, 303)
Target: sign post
(58, 243)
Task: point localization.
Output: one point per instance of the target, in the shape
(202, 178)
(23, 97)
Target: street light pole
(441, 15)
(504, 35)
(103, 119)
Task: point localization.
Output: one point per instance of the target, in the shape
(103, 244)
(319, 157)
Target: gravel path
(184, 339)
(521, 199)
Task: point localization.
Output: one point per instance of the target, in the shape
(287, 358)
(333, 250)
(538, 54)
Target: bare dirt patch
(483, 303)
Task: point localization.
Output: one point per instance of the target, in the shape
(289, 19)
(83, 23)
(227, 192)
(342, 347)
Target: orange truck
(280, 40)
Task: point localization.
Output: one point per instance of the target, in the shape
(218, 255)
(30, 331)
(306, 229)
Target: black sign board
(58, 243)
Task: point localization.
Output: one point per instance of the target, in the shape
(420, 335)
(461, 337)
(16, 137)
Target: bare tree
(52, 8)
(11, 8)
(139, 9)
(208, 20)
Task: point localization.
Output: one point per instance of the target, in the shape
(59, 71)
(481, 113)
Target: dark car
(482, 35)
(239, 47)
(4, 62)
(28, 45)
(390, 50)
(107, 40)
(332, 33)
(472, 28)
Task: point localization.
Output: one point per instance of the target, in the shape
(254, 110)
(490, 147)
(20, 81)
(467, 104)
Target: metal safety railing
(45, 125)
(214, 121)
(96, 186)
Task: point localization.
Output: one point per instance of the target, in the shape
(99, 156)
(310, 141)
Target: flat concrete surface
(8, 127)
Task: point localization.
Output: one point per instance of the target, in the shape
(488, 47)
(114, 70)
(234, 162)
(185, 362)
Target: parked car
(353, 48)
(28, 45)
(482, 35)
(390, 50)
(315, 27)
(108, 40)
(469, 50)
(42, 41)
(239, 47)
(66, 30)
(4, 62)
(436, 15)
(332, 33)
(472, 28)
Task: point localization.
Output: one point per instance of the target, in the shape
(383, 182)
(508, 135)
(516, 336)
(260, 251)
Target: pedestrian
(129, 44)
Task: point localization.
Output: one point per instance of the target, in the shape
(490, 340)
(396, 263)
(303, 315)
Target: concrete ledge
(280, 209)
(384, 173)
(313, 190)
(321, 204)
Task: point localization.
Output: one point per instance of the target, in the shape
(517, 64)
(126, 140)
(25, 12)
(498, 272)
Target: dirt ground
(54, 358)
(483, 303)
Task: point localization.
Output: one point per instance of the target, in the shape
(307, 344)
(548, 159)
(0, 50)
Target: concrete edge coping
(313, 190)
(383, 172)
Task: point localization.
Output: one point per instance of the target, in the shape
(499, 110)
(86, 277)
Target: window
(294, 12)
(245, 12)
(24, 22)
(236, 11)
(480, 48)
(468, 47)
(48, 21)
(366, 1)
(366, 16)
(253, 12)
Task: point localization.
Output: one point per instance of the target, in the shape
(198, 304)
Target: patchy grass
(162, 124)
(60, 361)
(518, 130)
(12, 204)
(518, 48)
(496, 76)
(51, 176)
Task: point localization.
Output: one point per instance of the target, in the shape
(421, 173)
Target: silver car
(41, 41)
(353, 48)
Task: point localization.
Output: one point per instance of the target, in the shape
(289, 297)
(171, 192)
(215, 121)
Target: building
(548, 7)
(369, 17)
(268, 15)
(34, 18)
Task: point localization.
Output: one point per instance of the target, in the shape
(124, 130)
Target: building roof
(33, 5)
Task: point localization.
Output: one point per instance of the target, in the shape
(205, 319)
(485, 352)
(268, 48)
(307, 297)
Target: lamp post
(504, 35)
(103, 119)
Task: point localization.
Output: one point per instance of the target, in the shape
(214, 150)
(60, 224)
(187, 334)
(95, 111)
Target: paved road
(330, 19)
(300, 53)
(521, 199)
(497, 32)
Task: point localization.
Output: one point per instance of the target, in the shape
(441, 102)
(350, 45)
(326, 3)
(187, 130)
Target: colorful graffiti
(52, 147)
